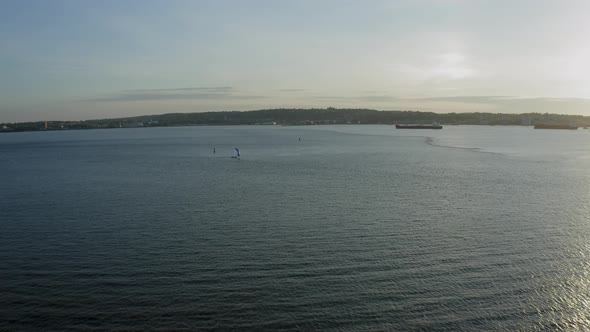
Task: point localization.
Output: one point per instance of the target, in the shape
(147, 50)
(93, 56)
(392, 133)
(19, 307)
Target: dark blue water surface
(351, 228)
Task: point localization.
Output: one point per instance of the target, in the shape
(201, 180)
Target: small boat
(236, 153)
(418, 126)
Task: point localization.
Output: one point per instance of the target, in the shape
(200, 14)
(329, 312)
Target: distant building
(134, 125)
(526, 121)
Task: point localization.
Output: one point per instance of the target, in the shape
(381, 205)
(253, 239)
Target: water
(351, 228)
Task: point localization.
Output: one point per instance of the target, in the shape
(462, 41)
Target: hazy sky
(81, 59)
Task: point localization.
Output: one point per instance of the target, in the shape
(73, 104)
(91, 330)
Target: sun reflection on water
(559, 293)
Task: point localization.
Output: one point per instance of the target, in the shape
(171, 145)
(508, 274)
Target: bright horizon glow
(76, 60)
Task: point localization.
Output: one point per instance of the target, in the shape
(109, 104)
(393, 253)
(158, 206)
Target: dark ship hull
(554, 126)
(399, 126)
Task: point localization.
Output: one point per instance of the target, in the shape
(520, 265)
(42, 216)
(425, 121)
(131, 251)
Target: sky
(82, 59)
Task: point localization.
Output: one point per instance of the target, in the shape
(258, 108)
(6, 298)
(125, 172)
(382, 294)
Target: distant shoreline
(303, 117)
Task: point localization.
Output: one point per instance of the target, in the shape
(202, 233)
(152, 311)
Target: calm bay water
(351, 228)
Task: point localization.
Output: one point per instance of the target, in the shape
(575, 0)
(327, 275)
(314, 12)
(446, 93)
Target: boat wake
(432, 142)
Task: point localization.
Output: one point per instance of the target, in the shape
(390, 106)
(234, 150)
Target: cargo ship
(555, 126)
(418, 126)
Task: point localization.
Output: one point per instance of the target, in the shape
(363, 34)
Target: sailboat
(236, 153)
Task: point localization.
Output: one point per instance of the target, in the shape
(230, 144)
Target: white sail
(236, 153)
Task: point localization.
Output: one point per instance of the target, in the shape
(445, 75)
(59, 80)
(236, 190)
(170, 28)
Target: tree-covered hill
(286, 116)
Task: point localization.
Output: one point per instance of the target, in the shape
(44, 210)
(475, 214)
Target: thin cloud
(213, 89)
(389, 98)
(465, 98)
(200, 93)
(501, 99)
(366, 98)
